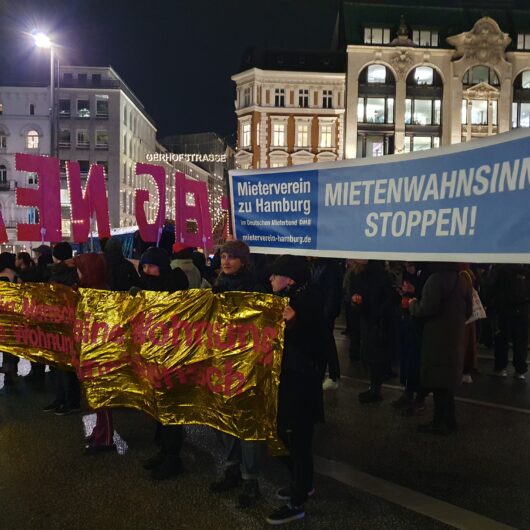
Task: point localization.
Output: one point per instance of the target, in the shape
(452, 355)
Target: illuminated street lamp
(42, 40)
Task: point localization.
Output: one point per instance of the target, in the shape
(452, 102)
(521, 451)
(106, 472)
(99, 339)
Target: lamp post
(43, 41)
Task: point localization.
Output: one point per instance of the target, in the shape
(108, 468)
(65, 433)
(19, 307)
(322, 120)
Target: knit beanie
(294, 267)
(155, 256)
(237, 249)
(62, 251)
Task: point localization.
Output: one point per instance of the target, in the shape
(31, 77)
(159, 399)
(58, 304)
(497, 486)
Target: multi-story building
(100, 120)
(420, 76)
(290, 108)
(24, 128)
(417, 75)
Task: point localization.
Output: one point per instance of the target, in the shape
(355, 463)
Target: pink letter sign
(46, 197)
(191, 202)
(150, 231)
(84, 205)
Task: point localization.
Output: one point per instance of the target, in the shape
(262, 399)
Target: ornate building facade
(417, 76)
(290, 108)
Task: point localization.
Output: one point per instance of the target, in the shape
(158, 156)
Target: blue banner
(466, 202)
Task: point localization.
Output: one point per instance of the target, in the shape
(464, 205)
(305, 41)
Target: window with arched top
(521, 100)
(32, 139)
(376, 74)
(480, 74)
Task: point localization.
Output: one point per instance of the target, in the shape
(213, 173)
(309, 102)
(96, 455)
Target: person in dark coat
(445, 305)
(67, 390)
(8, 274)
(300, 403)
(156, 275)
(377, 300)
(412, 402)
(241, 458)
(509, 300)
(326, 274)
(121, 274)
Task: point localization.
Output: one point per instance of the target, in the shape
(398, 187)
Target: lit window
(246, 134)
(494, 112)
(420, 143)
(376, 74)
(423, 111)
(479, 112)
(83, 139)
(425, 37)
(524, 120)
(83, 108)
(523, 41)
(302, 135)
(326, 131)
(279, 97)
(278, 135)
(32, 140)
(525, 79)
(423, 75)
(327, 99)
(375, 110)
(376, 35)
(258, 132)
(303, 98)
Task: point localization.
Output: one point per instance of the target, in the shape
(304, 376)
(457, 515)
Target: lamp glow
(42, 40)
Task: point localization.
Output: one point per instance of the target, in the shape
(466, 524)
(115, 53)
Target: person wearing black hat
(156, 275)
(42, 250)
(241, 458)
(300, 403)
(67, 390)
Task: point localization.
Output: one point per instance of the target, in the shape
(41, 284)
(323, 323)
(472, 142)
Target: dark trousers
(353, 319)
(514, 327)
(67, 388)
(410, 355)
(171, 439)
(444, 407)
(299, 442)
(330, 351)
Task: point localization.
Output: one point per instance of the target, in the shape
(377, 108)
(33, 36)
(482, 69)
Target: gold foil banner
(187, 357)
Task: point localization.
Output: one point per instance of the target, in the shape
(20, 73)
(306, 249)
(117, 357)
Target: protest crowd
(421, 322)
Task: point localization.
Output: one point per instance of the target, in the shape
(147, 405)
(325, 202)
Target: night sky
(177, 56)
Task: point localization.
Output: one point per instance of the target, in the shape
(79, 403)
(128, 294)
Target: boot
(250, 494)
(372, 395)
(228, 481)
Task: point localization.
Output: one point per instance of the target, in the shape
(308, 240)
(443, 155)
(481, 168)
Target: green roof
(447, 20)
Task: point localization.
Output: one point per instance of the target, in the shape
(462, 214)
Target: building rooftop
(294, 60)
(445, 17)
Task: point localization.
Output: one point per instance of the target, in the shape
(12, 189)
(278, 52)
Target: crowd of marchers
(425, 318)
